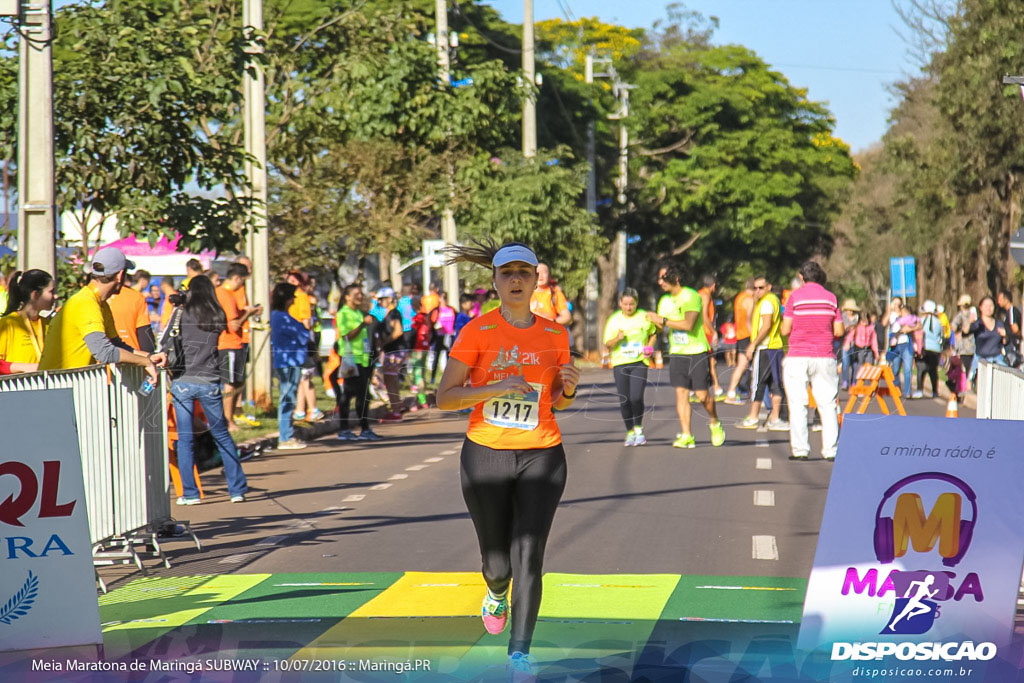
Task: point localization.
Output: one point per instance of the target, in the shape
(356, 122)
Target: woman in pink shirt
(862, 343)
(442, 319)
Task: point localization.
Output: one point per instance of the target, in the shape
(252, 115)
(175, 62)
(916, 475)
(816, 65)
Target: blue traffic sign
(903, 276)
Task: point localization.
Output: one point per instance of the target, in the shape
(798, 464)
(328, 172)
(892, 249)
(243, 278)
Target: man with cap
(932, 328)
(963, 344)
(83, 331)
(851, 316)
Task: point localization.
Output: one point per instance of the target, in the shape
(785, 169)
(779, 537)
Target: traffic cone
(951, 407)
(659, 361)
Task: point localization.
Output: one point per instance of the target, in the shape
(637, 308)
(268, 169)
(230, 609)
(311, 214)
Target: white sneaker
(291, 445)
(778, 426)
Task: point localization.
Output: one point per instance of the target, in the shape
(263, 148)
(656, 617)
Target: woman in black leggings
(629, 337)
(512, 369)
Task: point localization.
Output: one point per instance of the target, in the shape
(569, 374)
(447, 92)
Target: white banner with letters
(47, 581)
(922, 538)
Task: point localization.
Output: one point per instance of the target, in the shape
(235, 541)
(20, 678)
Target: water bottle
(148, 385)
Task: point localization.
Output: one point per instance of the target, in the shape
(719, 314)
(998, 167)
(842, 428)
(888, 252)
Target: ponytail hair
(22, 285)
(481, 252)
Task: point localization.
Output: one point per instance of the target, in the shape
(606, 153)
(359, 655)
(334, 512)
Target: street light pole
(448, 232)
(37, 219)
(529, 74)
(257, 242)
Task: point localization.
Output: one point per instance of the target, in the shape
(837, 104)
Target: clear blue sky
(845, 52)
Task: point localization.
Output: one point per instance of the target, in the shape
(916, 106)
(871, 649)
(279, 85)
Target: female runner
(511, 368)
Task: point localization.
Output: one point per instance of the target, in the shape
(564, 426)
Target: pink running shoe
(495, 613)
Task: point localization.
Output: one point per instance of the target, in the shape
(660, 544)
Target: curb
(310, 431)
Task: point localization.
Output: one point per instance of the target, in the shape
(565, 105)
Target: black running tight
(512, 497)
(630, 383)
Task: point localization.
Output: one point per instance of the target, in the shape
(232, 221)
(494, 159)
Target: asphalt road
(741, 509)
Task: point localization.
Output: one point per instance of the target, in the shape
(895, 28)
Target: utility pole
(621, 90)
(592, 341)
(530, 74)
(37, 216)
(257, 242)
(448, 232)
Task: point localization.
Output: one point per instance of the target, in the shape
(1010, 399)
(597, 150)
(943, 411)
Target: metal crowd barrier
(123, 441)
(1000, 392)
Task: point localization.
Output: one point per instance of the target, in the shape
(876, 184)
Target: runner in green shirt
(682, 313)
(629, 336)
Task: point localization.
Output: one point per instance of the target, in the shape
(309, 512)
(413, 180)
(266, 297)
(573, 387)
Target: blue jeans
(902, 356)
(184, 396)
(289, 378)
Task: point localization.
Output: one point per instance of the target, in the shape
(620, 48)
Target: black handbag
(172, 344)
(1012, 355)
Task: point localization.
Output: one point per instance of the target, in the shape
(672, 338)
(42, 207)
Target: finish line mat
(341, 626)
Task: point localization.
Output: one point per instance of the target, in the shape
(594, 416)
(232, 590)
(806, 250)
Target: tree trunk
(384, 259)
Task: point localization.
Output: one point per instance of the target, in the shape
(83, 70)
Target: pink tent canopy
(132, 246)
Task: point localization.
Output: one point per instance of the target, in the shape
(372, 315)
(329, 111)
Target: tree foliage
(130, 79)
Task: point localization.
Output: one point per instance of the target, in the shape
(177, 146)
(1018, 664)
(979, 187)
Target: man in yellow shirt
(83, 331)
(765, 357)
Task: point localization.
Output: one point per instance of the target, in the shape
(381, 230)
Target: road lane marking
(354, 498)
(738, 621)
(235, 559)
(272, 540)
(435, 459)
(416, 468)
(747, 588)
(764, 498)
(765, 548)
(380, 487)
(397, 477)
(449, 452)
(764, 463)
(761, 443)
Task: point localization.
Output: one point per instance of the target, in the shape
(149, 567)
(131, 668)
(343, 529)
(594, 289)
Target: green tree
(129, 80)
(536, 201)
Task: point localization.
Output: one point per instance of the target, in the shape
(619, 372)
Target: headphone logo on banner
(916, 610)
(909, 524)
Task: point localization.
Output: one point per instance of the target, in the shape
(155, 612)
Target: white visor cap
(514, 252)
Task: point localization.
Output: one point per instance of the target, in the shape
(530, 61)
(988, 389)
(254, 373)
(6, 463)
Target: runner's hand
(653, 318)
(570, 378)
(514, 384)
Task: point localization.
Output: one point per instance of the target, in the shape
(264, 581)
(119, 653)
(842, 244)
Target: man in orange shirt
(742, 306)
(131, 317)
(548, 301)
(707, 298)
(167, 288)
(232, 354)
(242, 299)
(431, 300)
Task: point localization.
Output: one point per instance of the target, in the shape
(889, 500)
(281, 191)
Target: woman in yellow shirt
(21, 328)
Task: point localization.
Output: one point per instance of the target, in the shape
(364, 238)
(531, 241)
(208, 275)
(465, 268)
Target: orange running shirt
(494, 350)
(130, 313)
(741, 306)
(429, 302)
(228, 338)
(241, 300)
(548, 302)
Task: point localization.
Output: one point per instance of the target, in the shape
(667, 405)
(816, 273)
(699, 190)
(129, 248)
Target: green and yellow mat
(427, 625)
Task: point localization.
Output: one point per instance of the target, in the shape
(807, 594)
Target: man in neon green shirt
(682, 313)
(765, 354)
